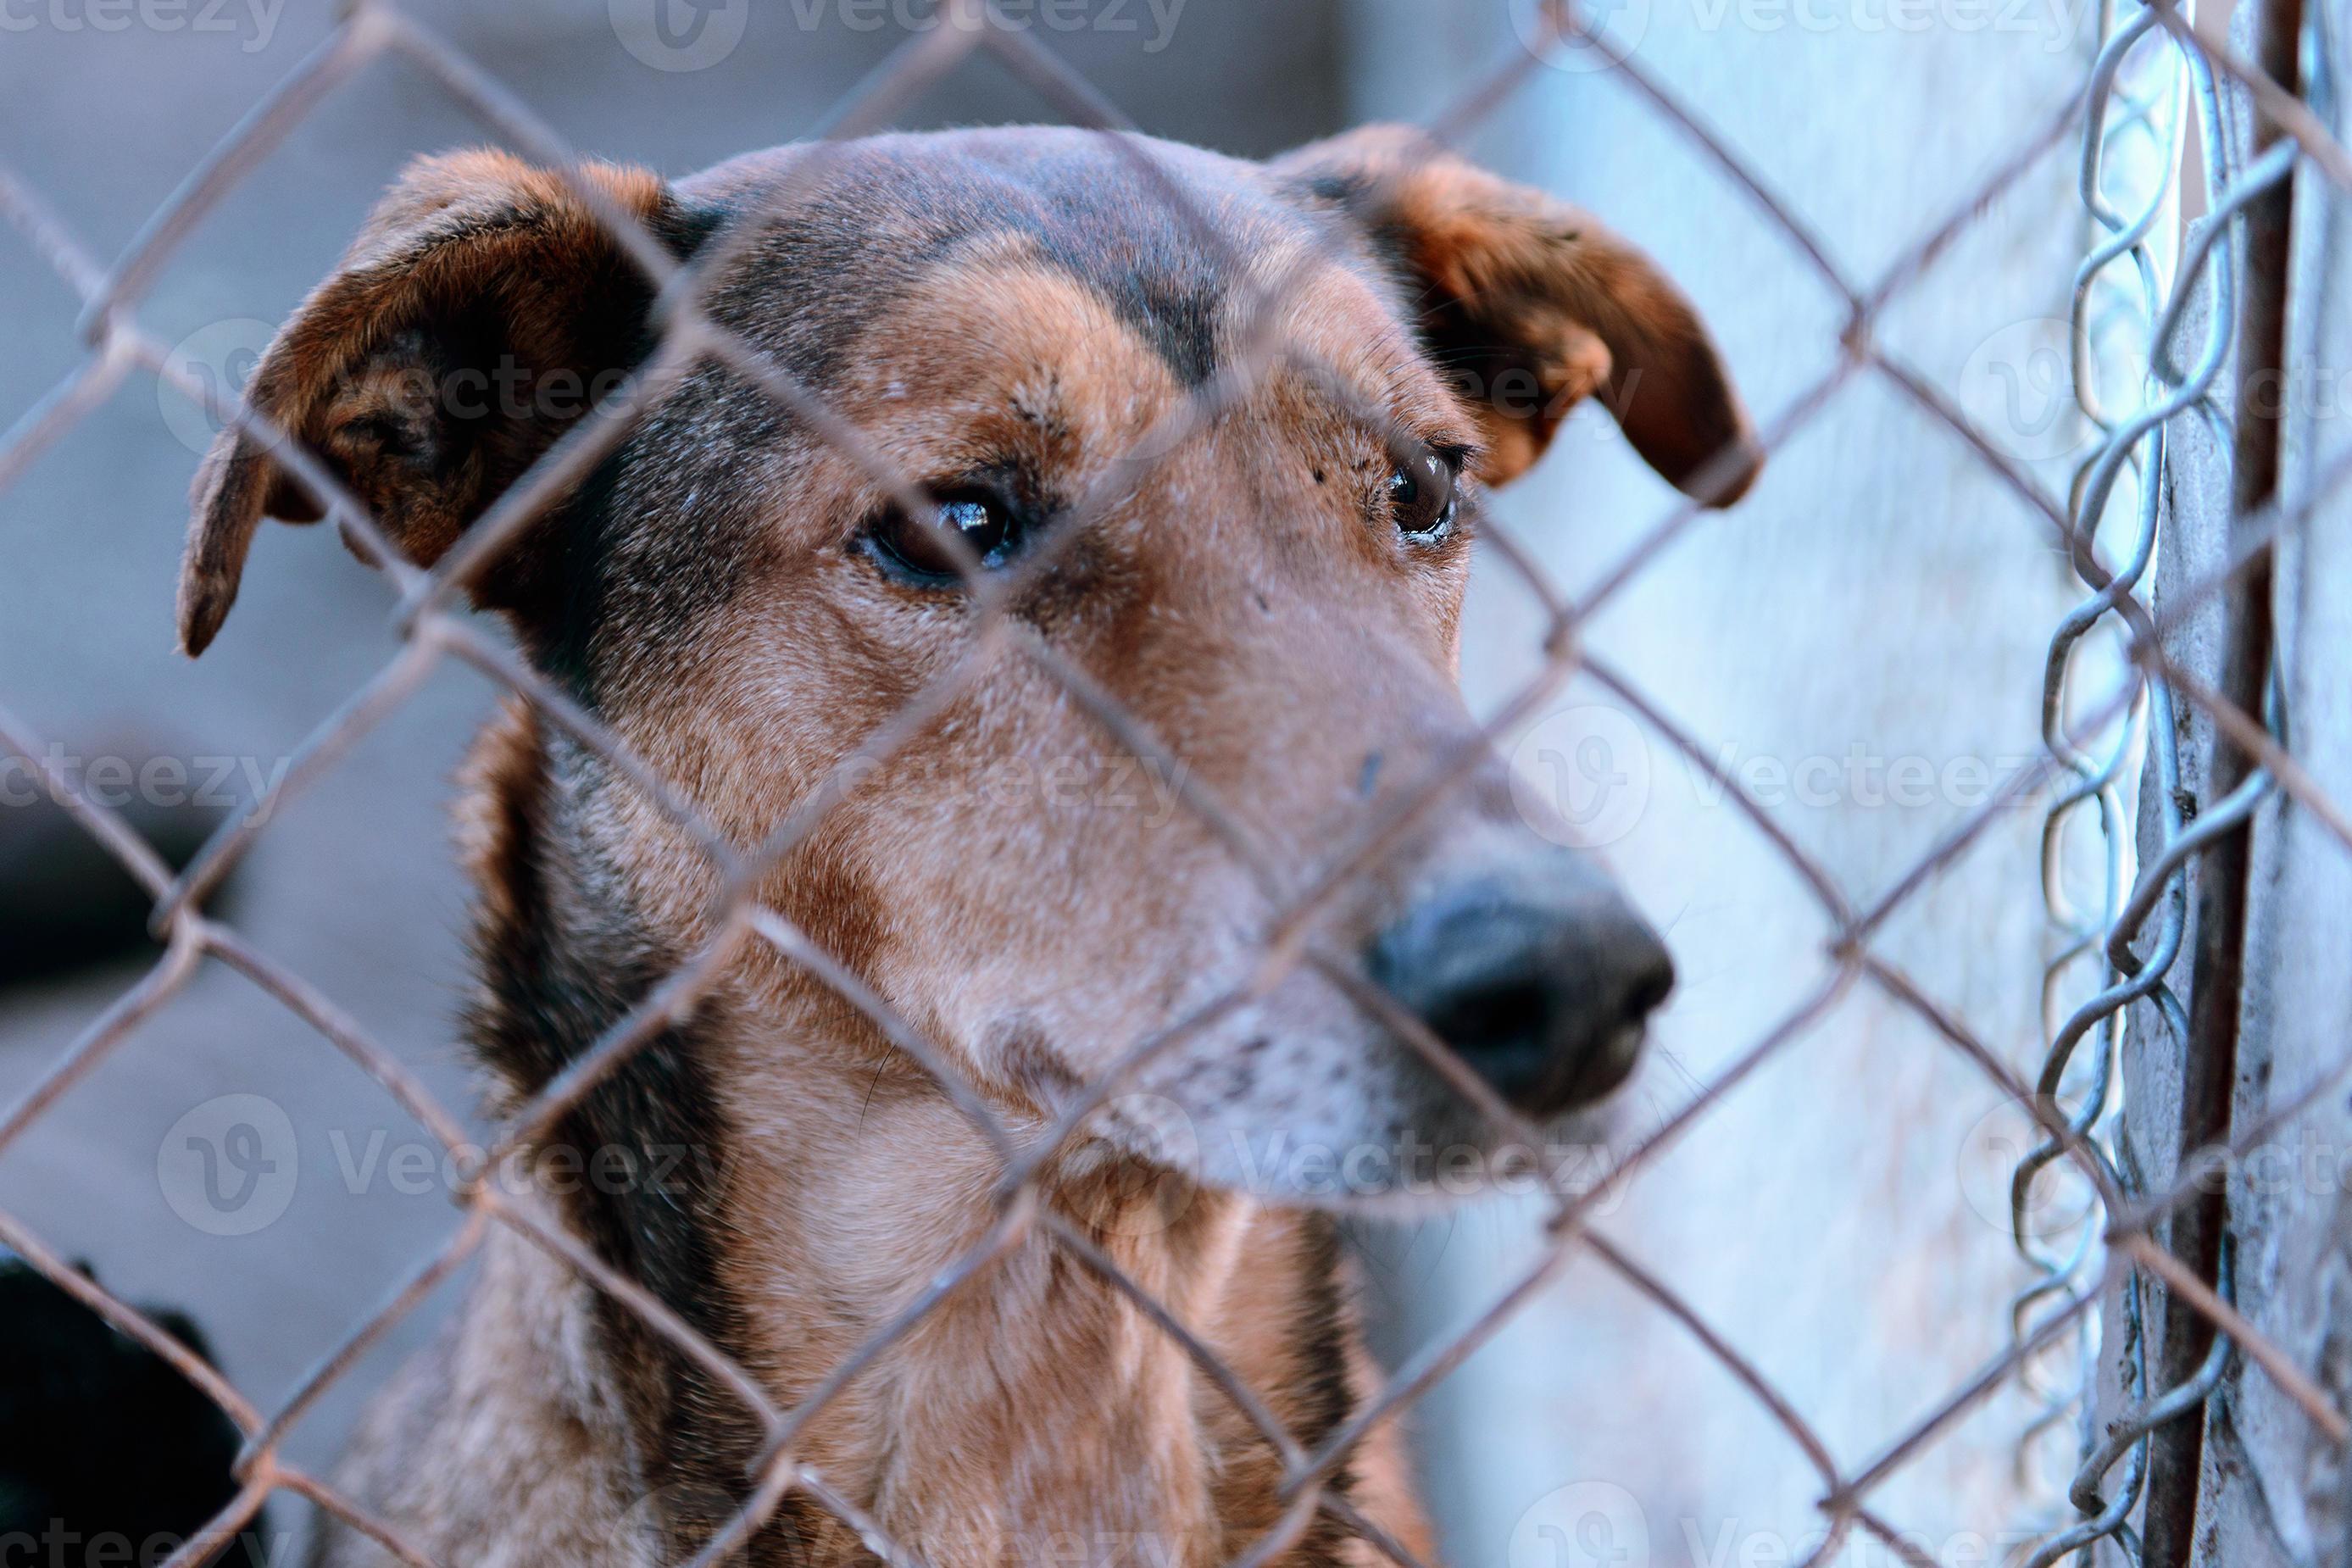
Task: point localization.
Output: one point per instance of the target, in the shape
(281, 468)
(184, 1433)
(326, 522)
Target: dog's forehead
(1164, 233)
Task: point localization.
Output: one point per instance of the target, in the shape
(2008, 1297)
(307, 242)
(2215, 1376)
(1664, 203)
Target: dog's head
(1232, 476)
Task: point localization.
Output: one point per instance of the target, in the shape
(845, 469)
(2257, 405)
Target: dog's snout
(1546, 1000)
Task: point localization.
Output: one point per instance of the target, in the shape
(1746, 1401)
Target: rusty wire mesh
(432, 631)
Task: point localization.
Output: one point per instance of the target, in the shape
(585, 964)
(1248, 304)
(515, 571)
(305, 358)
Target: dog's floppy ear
(1531, 306)
(482, 309)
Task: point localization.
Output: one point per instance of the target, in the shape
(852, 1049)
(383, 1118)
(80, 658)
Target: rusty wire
(374, 30)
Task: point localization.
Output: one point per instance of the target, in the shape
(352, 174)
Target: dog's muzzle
(1544, 995)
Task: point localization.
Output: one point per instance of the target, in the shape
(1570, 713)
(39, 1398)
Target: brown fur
(1012, 309)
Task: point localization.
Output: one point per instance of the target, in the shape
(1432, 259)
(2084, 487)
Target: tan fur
(1533, 284)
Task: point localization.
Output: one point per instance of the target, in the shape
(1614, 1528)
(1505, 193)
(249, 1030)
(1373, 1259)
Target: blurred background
(1880, 600)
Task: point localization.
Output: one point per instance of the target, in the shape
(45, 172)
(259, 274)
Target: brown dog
(1006, 316)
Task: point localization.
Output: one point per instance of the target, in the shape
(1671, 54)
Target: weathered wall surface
(2276, 1490)
(1879, 598)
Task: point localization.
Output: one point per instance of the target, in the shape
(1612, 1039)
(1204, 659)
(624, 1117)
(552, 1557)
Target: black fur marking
(1147, 266)
(561, 974)
(883, 214)
(1341, 190)
(1320, 1346)
(559, 580)
(1325, 1390)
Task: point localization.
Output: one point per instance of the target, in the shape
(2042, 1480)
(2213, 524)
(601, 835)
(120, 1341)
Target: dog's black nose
(1545, 1000)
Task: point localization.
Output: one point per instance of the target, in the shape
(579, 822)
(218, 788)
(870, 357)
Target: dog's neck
(806, 1189)
(1034, 1413)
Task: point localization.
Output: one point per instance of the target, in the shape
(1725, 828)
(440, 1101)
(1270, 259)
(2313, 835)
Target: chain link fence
(2132, 170)
(2137, 873)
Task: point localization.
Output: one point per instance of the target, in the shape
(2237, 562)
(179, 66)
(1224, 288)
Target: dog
(1016, 319)
(106, 1450)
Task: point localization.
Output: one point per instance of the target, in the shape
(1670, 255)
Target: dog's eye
(1423, 497)
(918, 548)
